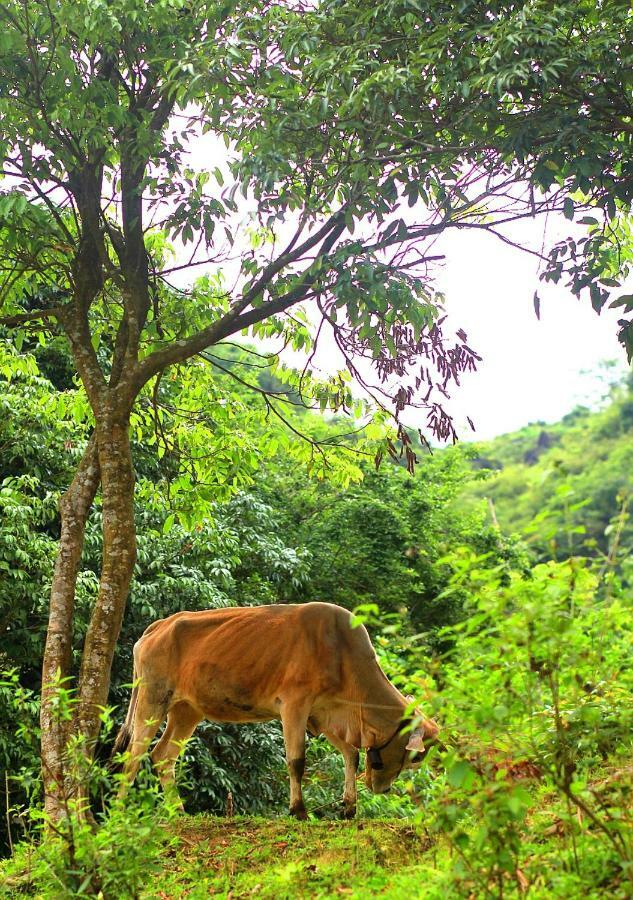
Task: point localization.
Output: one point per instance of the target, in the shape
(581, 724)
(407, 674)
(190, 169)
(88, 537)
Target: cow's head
(405, 750)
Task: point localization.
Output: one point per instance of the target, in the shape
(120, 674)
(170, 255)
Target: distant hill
(563, 483)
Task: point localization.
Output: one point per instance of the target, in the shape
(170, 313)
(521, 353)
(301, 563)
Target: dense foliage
(283, 537)
(508, 657)
(566, 485)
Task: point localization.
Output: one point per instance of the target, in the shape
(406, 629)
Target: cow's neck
(379, 706)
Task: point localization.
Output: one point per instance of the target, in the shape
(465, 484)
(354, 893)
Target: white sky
(531, 369)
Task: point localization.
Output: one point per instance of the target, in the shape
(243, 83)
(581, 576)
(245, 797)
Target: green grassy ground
(241, 857)
(244, 857)
(563, 854)
(394, 858)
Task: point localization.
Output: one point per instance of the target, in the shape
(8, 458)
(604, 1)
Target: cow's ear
(416, 741)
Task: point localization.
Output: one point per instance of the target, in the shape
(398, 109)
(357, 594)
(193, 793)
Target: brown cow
(304, 664)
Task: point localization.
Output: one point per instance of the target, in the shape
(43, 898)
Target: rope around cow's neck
(369, 705)
(373, 753)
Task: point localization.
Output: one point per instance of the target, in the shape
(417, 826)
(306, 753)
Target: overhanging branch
(235, 320)
(53, 312)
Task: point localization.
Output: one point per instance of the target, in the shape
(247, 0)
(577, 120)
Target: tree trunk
(119, 556)
(75, 508)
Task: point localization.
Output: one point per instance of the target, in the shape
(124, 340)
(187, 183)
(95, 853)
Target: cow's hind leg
(148, 718)
(181, 724)
(350, 756)
(294, 719)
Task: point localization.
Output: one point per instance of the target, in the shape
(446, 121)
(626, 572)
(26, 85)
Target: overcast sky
(531, 369)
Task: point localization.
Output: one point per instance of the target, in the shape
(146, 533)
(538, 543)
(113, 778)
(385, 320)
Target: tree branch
(21, 318)
(232, 322)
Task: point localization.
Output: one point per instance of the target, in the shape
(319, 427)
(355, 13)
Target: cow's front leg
(294, 719)
(350, 757)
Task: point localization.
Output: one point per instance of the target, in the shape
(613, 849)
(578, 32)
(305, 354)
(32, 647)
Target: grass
(241, 857)
(394, 858)
(244, 857)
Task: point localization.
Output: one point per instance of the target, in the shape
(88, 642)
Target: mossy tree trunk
(117, 568)
(75, 506)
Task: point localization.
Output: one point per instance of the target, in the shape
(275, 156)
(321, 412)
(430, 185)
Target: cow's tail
(123, 738)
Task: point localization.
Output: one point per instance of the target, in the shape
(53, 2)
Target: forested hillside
(565, 486)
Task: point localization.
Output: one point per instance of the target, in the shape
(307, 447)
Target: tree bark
(119, 557)
(75, 506)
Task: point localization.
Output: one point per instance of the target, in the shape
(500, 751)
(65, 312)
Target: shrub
(537, 688)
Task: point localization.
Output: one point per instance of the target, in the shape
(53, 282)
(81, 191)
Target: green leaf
(459, 772)
(625, 300)
(168, 524)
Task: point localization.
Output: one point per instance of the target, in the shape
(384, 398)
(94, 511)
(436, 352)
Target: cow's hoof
(349, 811)
(299, 812)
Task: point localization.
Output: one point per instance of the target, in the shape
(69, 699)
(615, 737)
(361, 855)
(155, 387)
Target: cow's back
(241, 663)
